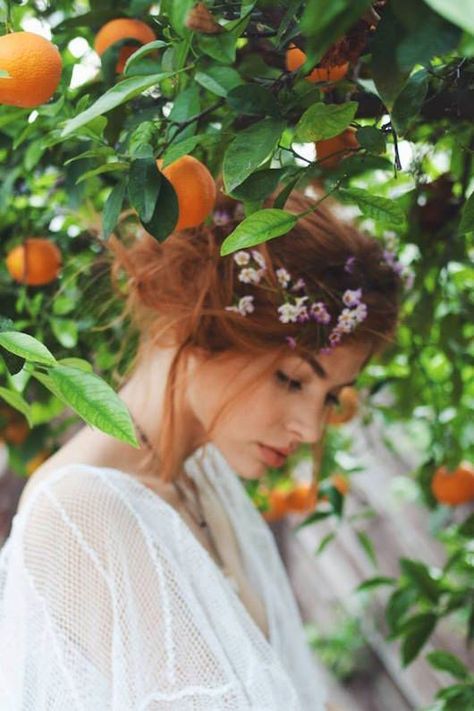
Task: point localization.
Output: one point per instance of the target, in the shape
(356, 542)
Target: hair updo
(177, 291)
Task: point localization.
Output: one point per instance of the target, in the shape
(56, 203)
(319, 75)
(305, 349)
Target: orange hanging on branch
(195, 189)
(35, 262)
(455, 487)
(34, 67)
(120, 29)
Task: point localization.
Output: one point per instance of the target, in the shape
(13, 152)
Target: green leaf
(186, 105)
(249, 149)
(416, 631)
(112, 207)
(380, 209)
(77, 363)
(420, 576)
(410, 100)
(165, 214)
(432, 37)
(65, 330)
(389, 78)
(258, 185)
(27, 347)
(467, 527)
(94, 401)
(375, 582)
(218, 80)
(13, 398)
(398, 605)
(107, 168)
(372, 139)
(467, 216)
(367, 545)
(144, 185)
(322, 121)
(253, 100)
(324, 542)
(142, 51)
(445, 661)
(324, 21)
(313, 518)
(460, 13)
(257, 228)
(120, 93)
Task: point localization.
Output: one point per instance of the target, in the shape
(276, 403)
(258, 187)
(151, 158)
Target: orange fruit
(303, 497)
(456, 487)
(331, 151)
(120, 29)
(33, 463)
(34, 65)
(349, 399)
(35, 262)
(15, 428)
(277, 502)
(340, 482)
(195, 189)
(295, 58)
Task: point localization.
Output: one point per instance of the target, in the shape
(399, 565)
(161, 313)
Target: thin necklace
(201, 521)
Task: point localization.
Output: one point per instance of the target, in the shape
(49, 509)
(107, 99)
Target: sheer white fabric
(109, 602)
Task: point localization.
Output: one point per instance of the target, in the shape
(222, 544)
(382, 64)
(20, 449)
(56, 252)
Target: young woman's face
(284, 409)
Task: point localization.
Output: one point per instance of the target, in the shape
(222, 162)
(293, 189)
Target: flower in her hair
(283, 277)
(221, 217)
(352, 297)
(242, 258)
(249, 275)
(259, 259)
(360, 312)
(319, 312)
(349, 265)
(346, 321)
(335, 337)
(288, 313)
(291, 341)
(299, 285)
(245, 306)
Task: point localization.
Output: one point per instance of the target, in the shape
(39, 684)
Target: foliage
(72, 167)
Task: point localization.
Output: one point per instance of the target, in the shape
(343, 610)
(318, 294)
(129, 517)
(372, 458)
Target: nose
(307, 423)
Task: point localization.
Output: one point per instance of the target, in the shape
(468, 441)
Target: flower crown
(298, 305)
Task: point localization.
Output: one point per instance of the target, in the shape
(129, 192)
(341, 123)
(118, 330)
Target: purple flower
(349, 265)
(291, 341)
(352, 297)
(319, 312)
(221, 217)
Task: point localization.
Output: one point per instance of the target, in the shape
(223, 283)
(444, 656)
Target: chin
(246, 467)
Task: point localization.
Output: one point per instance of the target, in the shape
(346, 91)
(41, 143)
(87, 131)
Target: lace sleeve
(98, 614)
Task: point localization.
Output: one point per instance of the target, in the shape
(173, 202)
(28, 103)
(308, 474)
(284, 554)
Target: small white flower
(288, 313)
(242, 258)
(298, 285)
(259, 259)
(346, 321)
(283, 277)
(352, 297)
(360, 312)
(249, 275)
(246, 305)
(320, 313)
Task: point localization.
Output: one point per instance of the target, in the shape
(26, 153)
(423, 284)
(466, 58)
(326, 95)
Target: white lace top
(109, 602)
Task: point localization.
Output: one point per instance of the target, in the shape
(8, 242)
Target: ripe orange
(295, 58)
(36, 262)
(34, 65)
(195, 189)
(303, 497)
(349, 398)
(15, 428)
(456, 487)
(340, 482)
(277, 502)
(120, 29)
(331, 151)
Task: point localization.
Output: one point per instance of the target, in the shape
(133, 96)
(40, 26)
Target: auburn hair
(176, 292)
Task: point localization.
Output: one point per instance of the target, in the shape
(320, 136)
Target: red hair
(177, 290)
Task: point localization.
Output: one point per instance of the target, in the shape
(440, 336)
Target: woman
(145, 578)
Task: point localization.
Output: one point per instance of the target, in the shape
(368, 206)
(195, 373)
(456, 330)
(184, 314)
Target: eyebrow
(319, 370)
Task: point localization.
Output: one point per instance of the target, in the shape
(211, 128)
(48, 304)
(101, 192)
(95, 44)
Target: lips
(273, 457)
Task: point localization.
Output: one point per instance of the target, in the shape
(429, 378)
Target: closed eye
(296, 385)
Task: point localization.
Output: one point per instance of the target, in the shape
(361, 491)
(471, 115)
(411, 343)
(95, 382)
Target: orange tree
(378, 109)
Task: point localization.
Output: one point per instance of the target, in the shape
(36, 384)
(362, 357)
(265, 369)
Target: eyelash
(296, 386)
